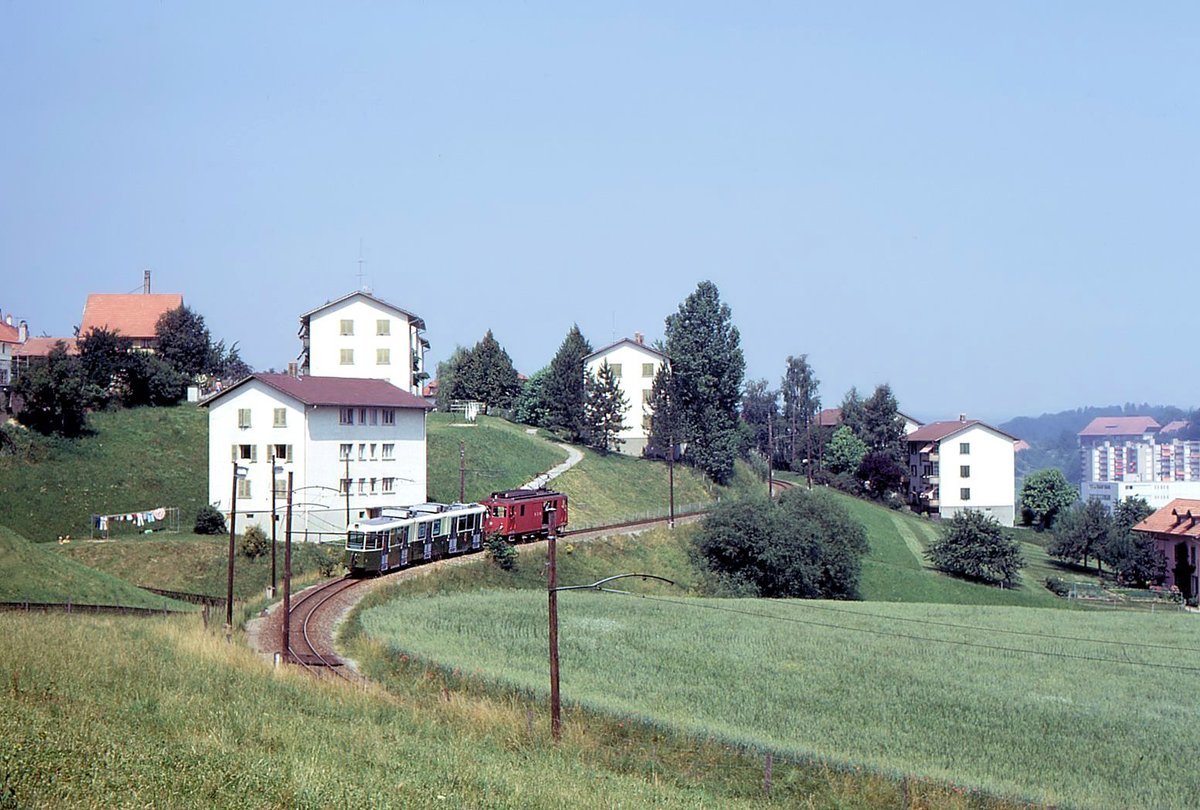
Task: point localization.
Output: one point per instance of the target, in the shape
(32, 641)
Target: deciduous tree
(1044, 494)
(845, 452)
(760, 408)
(184, 341)
(56, 395)
(974, 546)
(801, 405)
(531, 407)
(1081, 532)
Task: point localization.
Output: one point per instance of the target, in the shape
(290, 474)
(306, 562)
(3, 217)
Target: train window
(437, 528)
(422, 531)
(499, 511)
(522, 510)
(354, 541)
(403, 534)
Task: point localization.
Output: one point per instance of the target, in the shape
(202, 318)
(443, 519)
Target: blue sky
(991, 208)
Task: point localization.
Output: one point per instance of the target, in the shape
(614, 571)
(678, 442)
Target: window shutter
(253, 453)
(233, 455)
(289, 453)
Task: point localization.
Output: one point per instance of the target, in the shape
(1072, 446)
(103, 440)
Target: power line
(911, 637)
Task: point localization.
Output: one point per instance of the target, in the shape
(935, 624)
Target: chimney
(638, 338)
(146, 282)
(293, 370)
(23, 332)
(8, 319)
(1178, 517)
(962, 417)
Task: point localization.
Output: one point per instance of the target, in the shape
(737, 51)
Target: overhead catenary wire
(913, 637)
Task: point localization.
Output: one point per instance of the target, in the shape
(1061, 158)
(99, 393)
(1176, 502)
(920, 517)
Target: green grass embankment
(499, 455)
(1045, 705)
(32, 572)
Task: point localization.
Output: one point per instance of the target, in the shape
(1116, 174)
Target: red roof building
(1175, 530)
(133, 315)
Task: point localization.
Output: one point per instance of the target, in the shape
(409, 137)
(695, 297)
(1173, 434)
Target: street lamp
(238, 474)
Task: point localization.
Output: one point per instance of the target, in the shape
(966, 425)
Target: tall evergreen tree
(563, 392)
(450, 386)
(487, 374)
(801, 404)
(604, 410)
(882, 427)
(853, 415)
(707, 367)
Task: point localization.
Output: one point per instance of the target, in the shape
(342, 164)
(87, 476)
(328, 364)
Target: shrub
(974, 547)
(1057, 586)
(255, 543)
(209, 521)
(329, 560)
(501, 552)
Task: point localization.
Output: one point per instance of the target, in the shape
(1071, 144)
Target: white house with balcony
(634, 364)
(960, 465)
(359, 335)
(350, 444)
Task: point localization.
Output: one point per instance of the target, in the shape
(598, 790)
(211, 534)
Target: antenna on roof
(361, 286)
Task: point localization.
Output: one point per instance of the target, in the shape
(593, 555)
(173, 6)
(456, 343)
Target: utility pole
(287, 574)
(771, 456)
(671, 479)
(274, 507)
(808, 453)
(552, 593)
(348, 490)
(232, 531)
(462, 471)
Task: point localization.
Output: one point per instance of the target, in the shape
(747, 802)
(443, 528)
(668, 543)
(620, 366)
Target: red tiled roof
(134, 315)
(348, 391)
(41, 346)
(622, 342)
(1174, 427)
(1120, 426)
(1173, 519)
(9, 334)
(830, 417)
(936, 431)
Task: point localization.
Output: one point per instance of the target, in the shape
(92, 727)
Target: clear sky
(991, 207)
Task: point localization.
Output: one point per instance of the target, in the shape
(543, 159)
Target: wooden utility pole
(552, 594)
(808, 461)
(671, 479)
(348, 490)
(462, 471)
(274, 507)
(232, 531)
(771, 456)
(285, 648)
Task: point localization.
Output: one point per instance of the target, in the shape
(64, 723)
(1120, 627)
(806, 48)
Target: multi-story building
(1133, 456)
(359, 335)
(350, 444)
(960, 465)
(635, 366)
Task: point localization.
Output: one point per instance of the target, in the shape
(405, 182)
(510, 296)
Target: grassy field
(190, 563)
(500, 455)
(32, 572)
(1009, 700)
(137, 459)
(98, 712)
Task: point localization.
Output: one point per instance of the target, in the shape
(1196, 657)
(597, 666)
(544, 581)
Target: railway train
(397, 537)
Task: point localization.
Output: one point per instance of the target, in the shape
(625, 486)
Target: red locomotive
(517, 513)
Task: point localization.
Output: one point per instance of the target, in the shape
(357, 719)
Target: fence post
(767, 768)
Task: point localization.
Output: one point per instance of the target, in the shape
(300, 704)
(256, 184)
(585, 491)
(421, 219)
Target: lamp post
(274, 519)
(238, 474)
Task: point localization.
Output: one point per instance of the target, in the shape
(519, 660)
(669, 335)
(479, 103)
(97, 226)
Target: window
(347, 327)
(245, 452)
(373, 480)
(965, 493)
(389, 416)
(373, 447)
(362, 451)
(646, 392)
(964, 471)
(362, 486)
(422, 531)
(281, 417)
(389, 486)
(346, 416)
(243, 488)
(374, 416)
(646, 422)
(647, 369)
(243, 417)
(362, 416)
(347, 357)
(282, 452)
(383, 327)
(964, 448)
(280, 487)
(616, 369)
(344, 486)
(389, 451)
(383, 357)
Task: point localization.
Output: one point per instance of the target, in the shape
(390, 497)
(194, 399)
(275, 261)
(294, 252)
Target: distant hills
(1054, 437)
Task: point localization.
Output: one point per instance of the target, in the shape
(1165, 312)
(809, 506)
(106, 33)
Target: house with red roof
(11, 337)
(1175, 530)
(351, 445)
(133, 315)
(960, 465)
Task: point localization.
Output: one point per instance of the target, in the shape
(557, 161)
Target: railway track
(311, 621)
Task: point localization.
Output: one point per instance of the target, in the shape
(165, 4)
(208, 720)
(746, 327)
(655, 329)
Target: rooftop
(336, 391)
(1179, 518)
(134, 315)
(936, 431)
(1120, 426)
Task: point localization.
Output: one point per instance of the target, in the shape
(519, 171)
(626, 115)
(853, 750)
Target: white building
(350, 444)
(1134, 457)
(635, 365)
(359, 335)
(1157, 493)
(962, 465)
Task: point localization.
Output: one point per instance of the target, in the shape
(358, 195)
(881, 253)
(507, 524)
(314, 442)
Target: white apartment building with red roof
(1134, 457)
(960, 465)
(351, 444)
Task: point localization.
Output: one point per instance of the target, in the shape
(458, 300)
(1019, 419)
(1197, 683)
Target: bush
(501, 552)
(1057, 586)
(255, 543)
(209, 521)
(974, 547)
(330, 560)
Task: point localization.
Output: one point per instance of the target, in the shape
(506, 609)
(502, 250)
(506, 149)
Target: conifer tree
(604, 410)
(563, 390)
(487, 374)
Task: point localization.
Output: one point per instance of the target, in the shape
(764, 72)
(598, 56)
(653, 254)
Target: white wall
(992, 474)
(635, 386)
(5, 364)
(325, 343)
(1157, 493)
(315, 435)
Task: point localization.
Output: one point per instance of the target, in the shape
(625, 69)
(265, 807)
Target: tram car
(397, 537)
(521, 513)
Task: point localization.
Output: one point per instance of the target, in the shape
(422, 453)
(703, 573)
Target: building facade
(1175, 529)
(361, 336)
(960, 465)
(635, 365)
(351, 445)
(1133, 456)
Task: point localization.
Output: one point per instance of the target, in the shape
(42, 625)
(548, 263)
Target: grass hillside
(136, 459)
(1052, 706)
(34, 573)
(499, 455)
